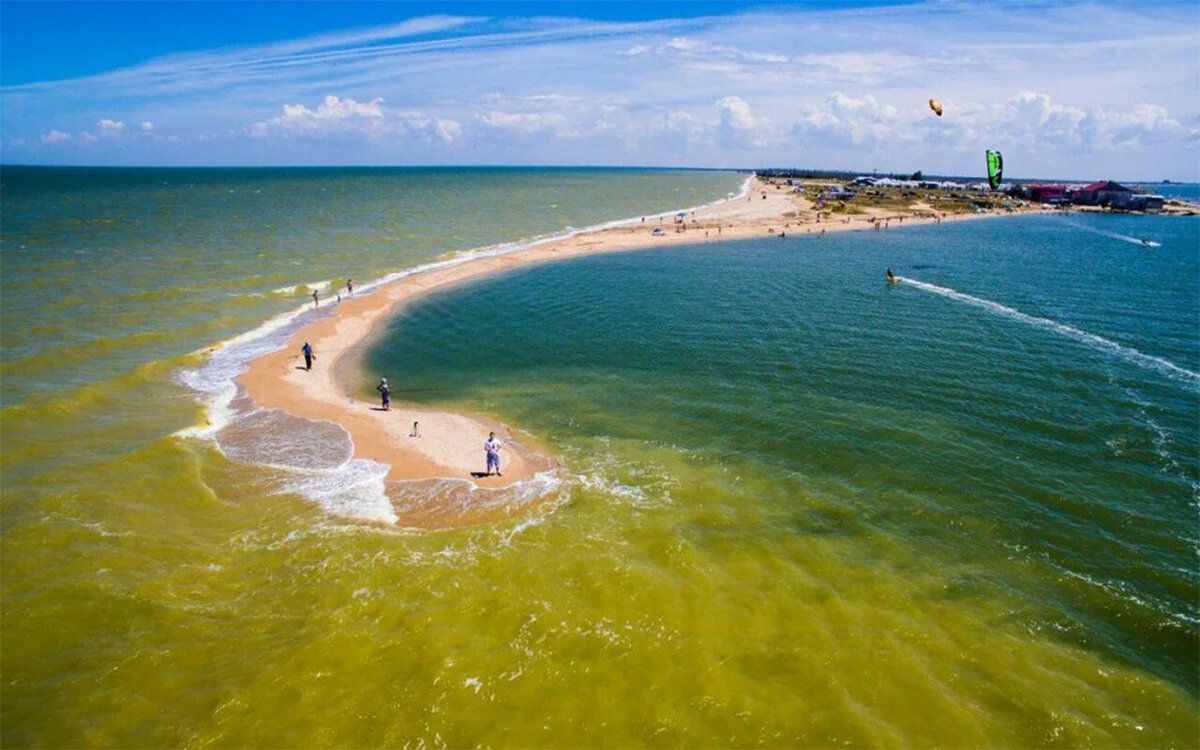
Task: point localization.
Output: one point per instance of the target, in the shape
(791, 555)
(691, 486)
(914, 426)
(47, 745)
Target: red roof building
(1045, 193)
(1106, 193)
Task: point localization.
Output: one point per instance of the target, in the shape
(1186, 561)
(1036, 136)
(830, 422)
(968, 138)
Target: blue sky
(1063, 89)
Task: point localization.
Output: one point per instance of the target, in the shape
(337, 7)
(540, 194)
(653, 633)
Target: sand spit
(450, 445)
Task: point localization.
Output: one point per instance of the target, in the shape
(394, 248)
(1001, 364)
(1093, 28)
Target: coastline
(450, 444)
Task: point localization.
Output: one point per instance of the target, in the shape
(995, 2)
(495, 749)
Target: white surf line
(1113, 235)
(1098, 342)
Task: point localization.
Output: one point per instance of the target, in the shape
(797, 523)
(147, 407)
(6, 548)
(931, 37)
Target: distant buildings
(1047, 193)
(1107, 193)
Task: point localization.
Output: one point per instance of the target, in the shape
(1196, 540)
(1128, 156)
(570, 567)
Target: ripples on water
(800, 508)
(1026, 400)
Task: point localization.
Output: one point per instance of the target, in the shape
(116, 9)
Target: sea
(798, 506)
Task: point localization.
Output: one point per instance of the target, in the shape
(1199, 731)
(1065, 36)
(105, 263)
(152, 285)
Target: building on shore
(1047, 193)
(1106, 193)
(1142, 202)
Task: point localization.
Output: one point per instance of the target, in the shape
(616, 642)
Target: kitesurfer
(891, 277)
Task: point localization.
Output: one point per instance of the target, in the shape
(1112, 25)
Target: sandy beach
(450, 445)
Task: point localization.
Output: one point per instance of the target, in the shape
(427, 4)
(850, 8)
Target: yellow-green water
(707, 572)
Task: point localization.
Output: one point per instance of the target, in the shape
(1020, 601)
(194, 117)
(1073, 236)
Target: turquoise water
(799, 507)
(1035, 441)
(1188, 191)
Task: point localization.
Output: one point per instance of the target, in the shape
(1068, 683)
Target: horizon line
(754, 170)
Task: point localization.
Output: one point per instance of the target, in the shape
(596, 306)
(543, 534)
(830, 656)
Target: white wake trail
(1114, 235)
(1127, 353)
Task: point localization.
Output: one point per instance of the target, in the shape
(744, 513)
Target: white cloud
(522, 122)
(331, 110)
(1144, 124)
(687, 48)
(1034, 118)
(341, 116)
(56, 136)
(846, 122)
(548, 115)
(427, 128)
(111, 127)
(333, 114)
(737, 127)
(1066, 87)
(147, 126)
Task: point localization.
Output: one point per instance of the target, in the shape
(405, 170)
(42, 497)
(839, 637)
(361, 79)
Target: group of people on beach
(491, 446)
(349, 293)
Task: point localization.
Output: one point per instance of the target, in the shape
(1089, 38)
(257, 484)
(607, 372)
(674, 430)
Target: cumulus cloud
(1144, 124)
(1035, 118)
(428, 128)
(1036, 122)
(847, 122)
(56, 136)
(333, 114)
(110, 127)
(1066, 90)
(737, 127)
(341, 116)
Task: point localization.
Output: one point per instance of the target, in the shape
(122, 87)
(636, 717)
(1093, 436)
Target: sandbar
(450, 445)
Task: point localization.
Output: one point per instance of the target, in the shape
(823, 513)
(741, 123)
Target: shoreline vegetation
(450, 445)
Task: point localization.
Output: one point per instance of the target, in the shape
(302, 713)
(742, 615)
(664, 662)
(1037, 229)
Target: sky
(1065, 90)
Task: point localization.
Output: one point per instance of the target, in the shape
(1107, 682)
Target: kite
(936, 106)
(995, 167)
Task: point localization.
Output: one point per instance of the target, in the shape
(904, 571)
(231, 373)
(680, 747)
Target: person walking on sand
(385, 394)
(308, 355)
(316, 303)
(416, 430)
(492, 447)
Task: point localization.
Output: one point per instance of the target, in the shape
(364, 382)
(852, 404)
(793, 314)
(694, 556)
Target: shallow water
(963, 504)
(133, 551)
(800, 508)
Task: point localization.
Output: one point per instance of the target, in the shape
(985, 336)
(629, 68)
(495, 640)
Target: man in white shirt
(492, 447)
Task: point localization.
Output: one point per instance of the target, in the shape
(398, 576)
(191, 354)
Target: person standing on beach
(349, 287)
(416, 430)
(492, 447)
(385, 393)
(316, 303)
(308, 355)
